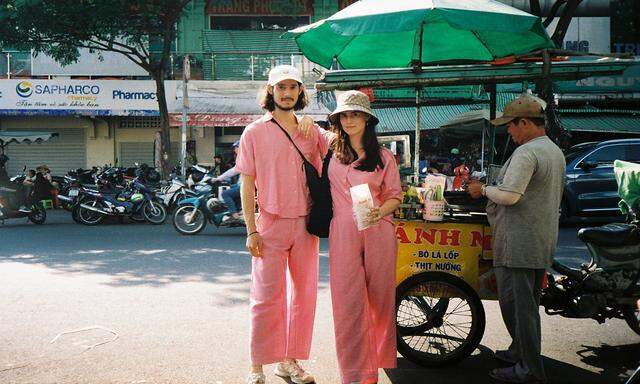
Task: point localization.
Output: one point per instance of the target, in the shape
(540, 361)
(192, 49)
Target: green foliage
(60, 28)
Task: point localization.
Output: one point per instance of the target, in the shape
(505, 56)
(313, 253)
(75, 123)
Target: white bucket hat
(284, 72)
(352, 101)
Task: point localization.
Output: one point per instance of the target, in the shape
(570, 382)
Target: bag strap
(325, 163)
(290, 139)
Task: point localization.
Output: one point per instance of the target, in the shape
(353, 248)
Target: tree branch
(100, 46)
(103, 46)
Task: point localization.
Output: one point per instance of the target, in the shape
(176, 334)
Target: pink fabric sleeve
(245, 162)
(391, 187)
(325, 138)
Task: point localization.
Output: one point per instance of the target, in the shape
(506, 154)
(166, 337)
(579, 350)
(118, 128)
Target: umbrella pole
(416, 151)
(492, 115)
(484, 129)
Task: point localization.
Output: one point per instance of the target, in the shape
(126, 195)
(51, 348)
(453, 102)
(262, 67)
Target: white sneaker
(256, 378)
(294, 371)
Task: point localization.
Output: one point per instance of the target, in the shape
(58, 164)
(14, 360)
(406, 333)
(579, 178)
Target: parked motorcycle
(193, 213)
(76, 182)
(137, 201)
(607, 287)
(174, 192)
(10, 201)
(69, 191)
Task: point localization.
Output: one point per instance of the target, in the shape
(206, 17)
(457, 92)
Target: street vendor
(523, 209)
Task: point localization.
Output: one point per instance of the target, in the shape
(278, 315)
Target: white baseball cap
(284, 72)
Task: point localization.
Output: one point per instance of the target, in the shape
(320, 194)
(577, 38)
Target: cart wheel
(440, 319)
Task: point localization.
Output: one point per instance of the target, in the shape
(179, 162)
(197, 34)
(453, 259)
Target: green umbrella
(390, 34)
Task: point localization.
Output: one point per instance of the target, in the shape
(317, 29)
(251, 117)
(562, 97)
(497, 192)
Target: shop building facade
(232, 45)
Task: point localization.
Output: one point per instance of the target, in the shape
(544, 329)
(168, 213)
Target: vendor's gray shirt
(525, 234)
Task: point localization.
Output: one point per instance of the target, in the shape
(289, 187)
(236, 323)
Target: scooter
(193, 213)
(176, 191)
(609, 286)
(137, 202)
(10, 201)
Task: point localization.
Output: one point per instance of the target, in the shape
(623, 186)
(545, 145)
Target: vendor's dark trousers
(519, 298)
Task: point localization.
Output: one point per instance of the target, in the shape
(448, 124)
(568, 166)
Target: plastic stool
(54, 197)
(47, 204)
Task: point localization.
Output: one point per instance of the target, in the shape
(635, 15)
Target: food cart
(444, 269)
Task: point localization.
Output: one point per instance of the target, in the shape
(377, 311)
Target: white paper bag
(362, 204)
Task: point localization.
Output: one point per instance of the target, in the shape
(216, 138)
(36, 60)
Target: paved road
(136, 303)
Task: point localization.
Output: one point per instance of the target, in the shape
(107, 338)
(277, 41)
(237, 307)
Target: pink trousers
(283, 304)
(362, 276)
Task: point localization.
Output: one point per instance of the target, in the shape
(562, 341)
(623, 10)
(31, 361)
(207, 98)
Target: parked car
(590, 187)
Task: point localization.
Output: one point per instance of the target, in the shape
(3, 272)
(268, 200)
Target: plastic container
(433, 210)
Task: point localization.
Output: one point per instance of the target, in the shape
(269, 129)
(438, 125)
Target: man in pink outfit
(282, 304)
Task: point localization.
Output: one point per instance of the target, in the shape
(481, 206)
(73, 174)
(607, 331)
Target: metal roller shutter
(140, 152)
(61, 154)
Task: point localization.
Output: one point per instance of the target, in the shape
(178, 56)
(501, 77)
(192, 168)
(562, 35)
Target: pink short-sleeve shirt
(384, 184)
(266, 153)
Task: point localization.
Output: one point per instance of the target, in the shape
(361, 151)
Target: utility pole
(186, 73)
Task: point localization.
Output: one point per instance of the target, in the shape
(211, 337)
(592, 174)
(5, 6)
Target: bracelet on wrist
(253, 233)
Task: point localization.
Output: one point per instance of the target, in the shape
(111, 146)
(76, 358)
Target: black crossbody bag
(321, 211)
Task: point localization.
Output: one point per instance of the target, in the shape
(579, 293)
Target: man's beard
(282, 107)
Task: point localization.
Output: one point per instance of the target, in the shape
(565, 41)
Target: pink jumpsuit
(282, 304)
(363, 273)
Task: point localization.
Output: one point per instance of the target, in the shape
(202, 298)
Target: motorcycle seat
(612, 235)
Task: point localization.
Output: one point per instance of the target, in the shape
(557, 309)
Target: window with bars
(139, 122)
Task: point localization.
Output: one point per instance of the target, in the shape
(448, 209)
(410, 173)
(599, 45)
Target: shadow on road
(475, 369)
(138, 254)
(616, 363)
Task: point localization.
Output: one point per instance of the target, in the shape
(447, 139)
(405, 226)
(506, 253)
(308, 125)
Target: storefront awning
(7, 137)
(231, 104)
(610, 123)
(586, 119)
(403, 119)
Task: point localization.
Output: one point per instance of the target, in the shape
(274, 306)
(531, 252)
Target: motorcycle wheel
(138, 217)
(180, 223)
(154, 212)
(632, 317)
(173, 204)
(38, 214)
(88, 217)
(74, 215)
(439, 319)
(75, 208)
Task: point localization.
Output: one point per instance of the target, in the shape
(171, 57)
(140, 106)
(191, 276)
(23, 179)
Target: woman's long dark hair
(347, 155)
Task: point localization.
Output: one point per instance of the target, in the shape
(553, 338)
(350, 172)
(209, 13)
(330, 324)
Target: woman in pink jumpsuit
(362, 263)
